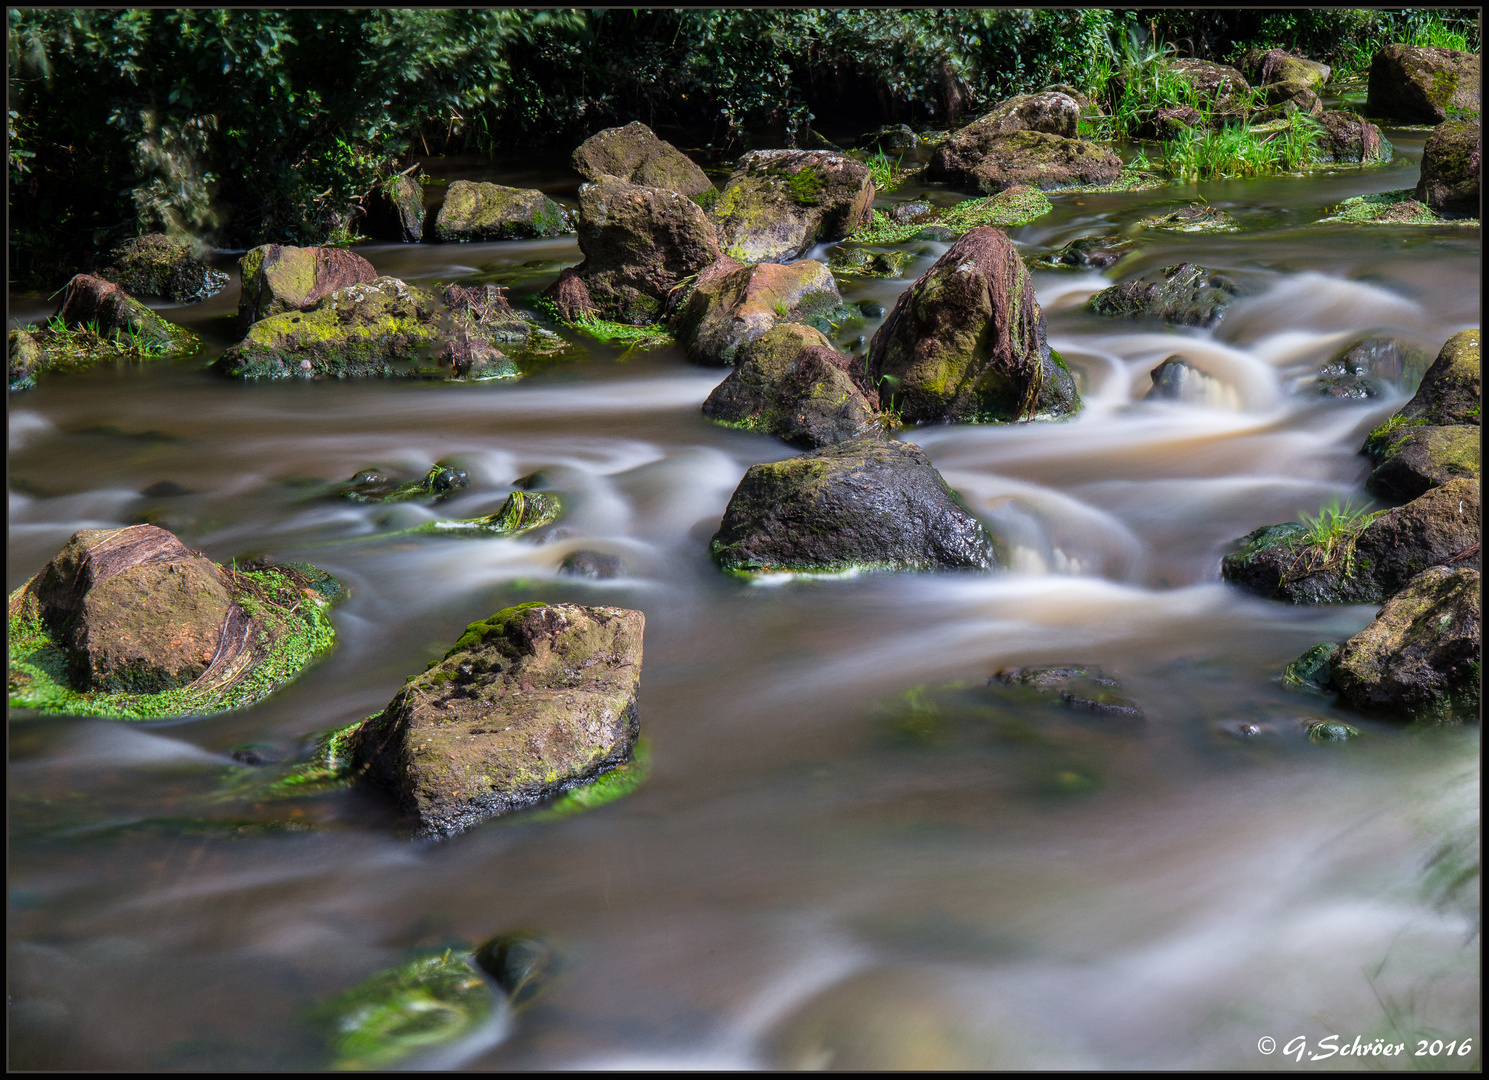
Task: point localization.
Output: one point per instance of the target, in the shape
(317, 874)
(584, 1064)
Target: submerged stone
(1388, 358)
(480, 211)
(861, 504)
(596, 565)
(522, 962)
(1449, 184)
(1178, 379)
(1186, 294)
(1331, 731)
(1421, 84)
(160, 265)
(777, 204)
(131, 623)
(1085, 688)
(1420, 657)
(966, 342)
(277, 278)
(534, 700)
(1088, 253)
(1196, 217)
(635, 154)
(522, 511)
(733, 304)
(376, 486)
(1312, 670)
(791, 383)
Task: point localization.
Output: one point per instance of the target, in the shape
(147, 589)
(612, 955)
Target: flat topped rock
(635, 154)
(862, 504)
(277, 278)
(1422, 83)
(778, 203)
(481, 211)
(534, 700)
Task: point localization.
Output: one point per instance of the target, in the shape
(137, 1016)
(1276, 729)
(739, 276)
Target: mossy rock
(860, 262)
(958, 154)
(165, 266)
(1324, 731)
(864, 504)
(537, 699)
(1351, 140)
(522, 512)
(732, 304)
(480, 211)
(1186, 294)
(1389, 208)
(1263, 66)
(1449, 184)
(395, 211)
(1420, 658)
(1422, 84)
(1087, 253)
(1034, 158)
(376, 486)
(1082, 687)
(636, 155)
(789, 382)
(1007, 209)
(1451, 390)
(277, 278)
(86, 638)
(1313, 670)
(1425, 457)
(966, 342)
(777, 204)
(1194, 218)
(420, 1005)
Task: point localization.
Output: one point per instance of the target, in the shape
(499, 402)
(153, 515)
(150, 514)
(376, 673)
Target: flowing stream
(850, 851)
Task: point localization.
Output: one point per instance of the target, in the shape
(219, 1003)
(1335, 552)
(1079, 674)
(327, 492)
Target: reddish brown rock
(278, 278)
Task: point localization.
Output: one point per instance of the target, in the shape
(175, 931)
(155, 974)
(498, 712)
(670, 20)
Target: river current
(850, 851)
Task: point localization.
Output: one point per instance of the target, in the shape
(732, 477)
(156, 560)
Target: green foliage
(1240, 150)
(1328, 539)
(1003, 210)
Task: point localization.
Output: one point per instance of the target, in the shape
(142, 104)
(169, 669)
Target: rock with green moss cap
(777, 204)
(166, 266)
(1350, 139)
(864, 504)
(1449, 184)
(1417, 458)
(1422, 84)
(1196, 217)
(1185, 294)
(1420, 658)
(376, 486)
(860, 262)
(791, 383)
(639, 244)
(110, 311)
(277, 278)
(527, 704)
(1263, 66)
(1049, 111)
(480, 211)
(1313, 670)
(635, 154)
(1286, 99)
(395, 211)
(1450, 391)
(734, 303)
(1365, 562)
(966, 342)
(131, 623)
(1036, 158)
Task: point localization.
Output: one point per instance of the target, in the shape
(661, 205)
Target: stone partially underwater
(131, 623)
(538, 699)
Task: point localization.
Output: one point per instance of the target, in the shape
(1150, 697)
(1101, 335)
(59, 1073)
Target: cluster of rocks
(1420, 657)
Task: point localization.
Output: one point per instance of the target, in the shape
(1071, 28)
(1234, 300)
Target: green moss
(1005, 210)
(805, 186)
(1380, 442)
(1331, 731)
(478, 633)
(299, 633)
(1389, 208)
(522, 511)
(1311, 671)
(613, 333)
(416, 1006)
(1129, 179)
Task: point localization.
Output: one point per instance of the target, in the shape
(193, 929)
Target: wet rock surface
(733, 304)
(1420, 84)
(1196, 217)
(1264, 66)
(159, 265)
(1037, 158)
(1419, 458)
(379, 486)
(534, 700)
(277, 278)
(791, 383)
(1082, 687)
(862, 504)
(1186, 294)
(595, 565)
(1351, 139)
(777, 204)
(1451, 390)
(635, 154)
(1179, 379)
(1421, 655)
(91, 301)
(1088, 253)
(966, 342)
(482, 211)
(1450, 170)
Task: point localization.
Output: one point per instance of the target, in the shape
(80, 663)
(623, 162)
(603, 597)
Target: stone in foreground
(636, 155)
(1420, 657)
(277, 278)
(791, 383)
(531, 702)
(1420, 84)
(966, 342)
(1450, 170)
(1186, 294)
(131, 623)
(863, 504)
(778, 203)
(473, 211)
(1422, 458)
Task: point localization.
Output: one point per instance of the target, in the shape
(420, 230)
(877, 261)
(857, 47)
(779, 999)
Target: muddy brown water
(850, 851)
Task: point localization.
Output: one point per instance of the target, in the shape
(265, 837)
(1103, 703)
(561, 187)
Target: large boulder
(639, 244)
(862, 504)
(479, 211)
(1449, 184)
(1351, 139)
(395, 211)
(1263, 66)
(1421, 84)
(1186, 294)
(1420, 657)
(1450, 391)
(130, 622)
(733, 303)
(991, 163)
(634, 154)
(1422, 457)
(966, 342)
(791, 383)
(1050, 112)
(777, 204)
(277, 278)
(533, 701)
(1366, 565)
(160, 265)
